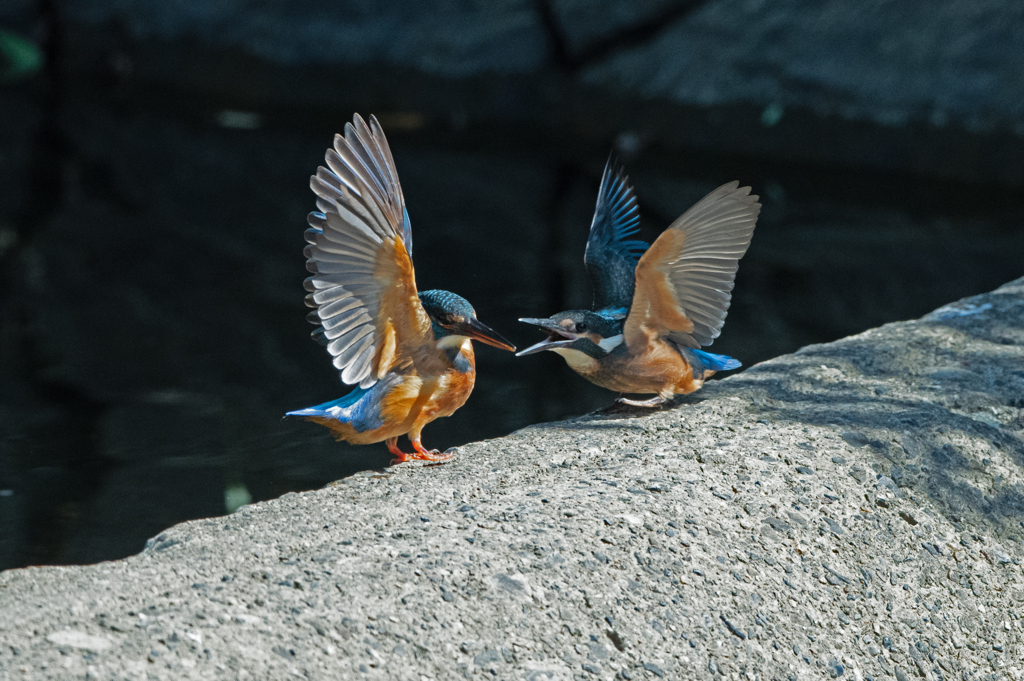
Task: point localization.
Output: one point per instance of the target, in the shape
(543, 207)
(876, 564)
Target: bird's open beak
(475, 329)
(558, 337)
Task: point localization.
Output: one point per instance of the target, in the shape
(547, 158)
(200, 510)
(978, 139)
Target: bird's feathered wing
(363, 286)
(611, 254)
(684, 281)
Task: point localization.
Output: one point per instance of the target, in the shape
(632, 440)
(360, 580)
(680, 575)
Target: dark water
(153, 325)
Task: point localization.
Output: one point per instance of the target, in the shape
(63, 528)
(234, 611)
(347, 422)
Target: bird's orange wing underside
(402, 323)
(655, 311)
(684, 281)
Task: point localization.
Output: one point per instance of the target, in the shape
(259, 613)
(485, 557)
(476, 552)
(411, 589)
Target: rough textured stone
(891, 62)
(931, 87)
(636, 544)
(586, 24)
(438, 37)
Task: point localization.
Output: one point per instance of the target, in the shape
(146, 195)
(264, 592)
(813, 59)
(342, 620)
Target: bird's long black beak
(558, 337)
(477, 330)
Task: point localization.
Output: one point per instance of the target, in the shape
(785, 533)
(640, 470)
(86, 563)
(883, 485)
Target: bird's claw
(655, 401)
(435, 454)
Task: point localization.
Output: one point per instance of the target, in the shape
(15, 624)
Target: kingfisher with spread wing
(654, 306)
(408, 353)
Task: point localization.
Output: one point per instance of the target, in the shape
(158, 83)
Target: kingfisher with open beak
(654, 306)
(410, 354)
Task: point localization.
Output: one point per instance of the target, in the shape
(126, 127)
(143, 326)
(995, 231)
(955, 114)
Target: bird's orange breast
(657, 368)
(453, 388)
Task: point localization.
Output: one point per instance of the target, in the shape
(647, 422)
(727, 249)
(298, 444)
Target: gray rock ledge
(851, 510)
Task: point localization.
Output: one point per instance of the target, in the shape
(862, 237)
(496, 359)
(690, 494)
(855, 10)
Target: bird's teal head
(453, 319)
(595, 334)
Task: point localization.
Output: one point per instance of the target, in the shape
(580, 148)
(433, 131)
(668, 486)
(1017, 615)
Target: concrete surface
(852, 510)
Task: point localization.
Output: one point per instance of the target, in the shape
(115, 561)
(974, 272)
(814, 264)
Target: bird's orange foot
(421, 453)
(653, 402)
(400, 456)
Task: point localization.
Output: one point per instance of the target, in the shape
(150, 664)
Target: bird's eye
(581, 327)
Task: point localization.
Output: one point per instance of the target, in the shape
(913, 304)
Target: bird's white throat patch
(449, 342)
(610, 343)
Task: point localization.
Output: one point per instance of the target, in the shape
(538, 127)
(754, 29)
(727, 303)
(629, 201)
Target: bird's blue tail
(705, 361)
(335, 409)
(361, 407)
(717, 362)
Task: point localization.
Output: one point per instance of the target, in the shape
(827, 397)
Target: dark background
(154, 174)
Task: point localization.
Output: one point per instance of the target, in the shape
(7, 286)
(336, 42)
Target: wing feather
(354, 161)
(365, 363)
(353, 348)
(358, 253)
(371, 152)
(612, 254)
(339, 345)
(336, 312)
(684, 281)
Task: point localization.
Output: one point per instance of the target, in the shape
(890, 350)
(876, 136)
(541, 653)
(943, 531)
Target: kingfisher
(655, 305)
(409, 353)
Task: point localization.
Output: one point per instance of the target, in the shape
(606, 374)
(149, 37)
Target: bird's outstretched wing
(611, 255)
(363, 286)
(684, 281)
